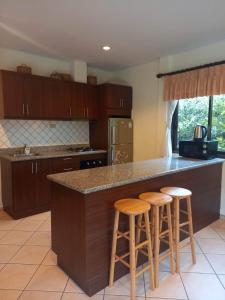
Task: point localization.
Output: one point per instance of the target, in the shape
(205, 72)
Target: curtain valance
(196, 83)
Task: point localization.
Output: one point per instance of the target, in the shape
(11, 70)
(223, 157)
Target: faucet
(26, 149)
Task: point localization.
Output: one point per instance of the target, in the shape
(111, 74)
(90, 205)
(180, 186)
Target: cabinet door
(33, 94)
(91, 102)
(112, 97)
(24, 189)
(56, 99)
(78, 100)
(42, 168)
(126, 98)
(13, 95)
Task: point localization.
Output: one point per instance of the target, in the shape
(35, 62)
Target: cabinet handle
(36, 167)
(68, 169)
(67, 158)
(28, 109)
(32, 168)
(70, 111)
(87, 111)
(23, 109)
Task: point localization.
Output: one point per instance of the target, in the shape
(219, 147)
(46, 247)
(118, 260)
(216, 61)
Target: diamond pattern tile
(16, 133)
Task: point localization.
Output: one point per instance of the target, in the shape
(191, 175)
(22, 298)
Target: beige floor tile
(35, 295)
(50, 259)
(186, 265)
(48, 278)
(2, 233)
(28, 225)
(218, 224)
(9, 294)
(203, 286)
(30, 255)
(222, 279)
(14, 237)
(212, 246)
(122, 287)
(111, 297)
(43, 216)
(45, 226)
(40, 238)
(72, 287)
(188, 248)
(220, 231)
(8, 224)
(170, 286)
(207, 232)
(218, 262)
(4, 214)
(15, 276)
(7, 252)
(72, 296)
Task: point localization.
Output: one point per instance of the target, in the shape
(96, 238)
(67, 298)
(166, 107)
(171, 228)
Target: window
(207, 111)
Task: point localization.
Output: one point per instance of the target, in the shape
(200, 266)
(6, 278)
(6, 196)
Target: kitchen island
(83, 213)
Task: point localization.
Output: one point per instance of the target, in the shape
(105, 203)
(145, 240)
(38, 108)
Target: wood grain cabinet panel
(116, 100)
(56, 99)
(24, 186)
(12, 95)
(78, 101)
(32, 89)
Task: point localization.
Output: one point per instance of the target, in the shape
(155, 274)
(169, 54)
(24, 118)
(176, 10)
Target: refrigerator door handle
(112, 155)
(113, 135)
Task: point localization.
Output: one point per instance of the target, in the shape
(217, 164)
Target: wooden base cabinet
(25, 188)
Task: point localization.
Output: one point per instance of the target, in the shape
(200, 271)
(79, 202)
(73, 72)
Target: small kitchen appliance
(200, 133)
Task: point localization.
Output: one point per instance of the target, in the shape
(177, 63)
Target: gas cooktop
(81, 149)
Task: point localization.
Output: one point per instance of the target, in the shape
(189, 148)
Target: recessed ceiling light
(106, 48)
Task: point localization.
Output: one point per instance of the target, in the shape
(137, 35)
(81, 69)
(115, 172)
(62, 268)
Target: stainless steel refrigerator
(120, 133)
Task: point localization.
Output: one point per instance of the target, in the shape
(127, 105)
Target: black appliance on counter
(198, 149)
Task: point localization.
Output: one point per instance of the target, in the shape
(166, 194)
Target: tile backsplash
(16, 133)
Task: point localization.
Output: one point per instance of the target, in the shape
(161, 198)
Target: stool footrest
(141, 245)
(143, 270)
(184, 231)
(183, 224)
(125, 235)
(183, 211)
(164, 241)
(185, 245)
(118, 258)
(165, 255)
(164, 232)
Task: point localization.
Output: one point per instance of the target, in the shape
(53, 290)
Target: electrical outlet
(52, 125)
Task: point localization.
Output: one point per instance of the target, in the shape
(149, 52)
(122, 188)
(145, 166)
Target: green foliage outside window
(194, 112)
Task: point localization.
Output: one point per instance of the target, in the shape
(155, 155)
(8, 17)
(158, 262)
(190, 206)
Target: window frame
(174, 128)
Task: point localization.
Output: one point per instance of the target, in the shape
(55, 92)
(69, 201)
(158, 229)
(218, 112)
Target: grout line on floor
(212, 267)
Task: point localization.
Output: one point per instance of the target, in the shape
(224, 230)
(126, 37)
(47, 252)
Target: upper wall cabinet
(56, 99)
(25, 96)
(117, 99)
(84, 103)
(20, 95)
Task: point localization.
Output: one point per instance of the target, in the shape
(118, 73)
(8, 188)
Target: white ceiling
(138, 30)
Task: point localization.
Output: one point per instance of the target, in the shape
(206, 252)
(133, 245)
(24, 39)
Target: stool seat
(155, 198)
(132, 206)
(176, 192)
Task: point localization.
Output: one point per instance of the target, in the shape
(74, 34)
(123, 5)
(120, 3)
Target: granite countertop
(48, 151)
(93, 180)
(49, 154)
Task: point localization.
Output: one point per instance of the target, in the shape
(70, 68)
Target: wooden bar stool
(179, 194)
(131, 208)
(159, 202)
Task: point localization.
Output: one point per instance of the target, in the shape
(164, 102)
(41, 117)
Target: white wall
(145, 107)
